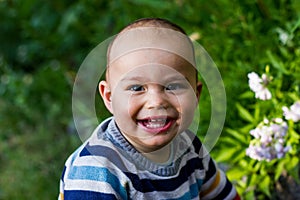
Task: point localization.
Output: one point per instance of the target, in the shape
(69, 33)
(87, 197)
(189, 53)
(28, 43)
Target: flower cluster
(259, 86)
(268, 142)
(292, 113)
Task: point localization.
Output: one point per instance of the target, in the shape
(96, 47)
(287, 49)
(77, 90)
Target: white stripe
(131, 167)
(219, 187)
(232, 194)
(209, 182)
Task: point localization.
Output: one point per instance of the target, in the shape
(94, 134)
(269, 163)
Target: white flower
(283, 36)
(255, 152)
(281, 150)
(292, 113)
(268, 142)
(263, 94)
(259, 153)
(254, 81)
(266, 121)
(263, 133)
(259, 86)
(255, 133)
(278, 128)
(278, 120)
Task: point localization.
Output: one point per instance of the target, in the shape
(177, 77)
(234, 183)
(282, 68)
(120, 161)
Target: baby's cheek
(189, 107)
(133, 104)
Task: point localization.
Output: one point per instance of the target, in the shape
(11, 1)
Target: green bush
(43, 44)
(266, 146)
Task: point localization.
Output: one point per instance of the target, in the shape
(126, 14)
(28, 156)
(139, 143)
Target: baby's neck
(159, 156)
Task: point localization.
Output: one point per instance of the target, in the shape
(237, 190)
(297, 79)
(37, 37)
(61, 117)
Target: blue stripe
(87, 195)
(195, 188)
(63, 173)
(105, 152)
(194, 191)
(149, 185)
(97, 174)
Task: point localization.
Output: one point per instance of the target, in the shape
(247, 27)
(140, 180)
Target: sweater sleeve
(80, 181)
(216, 185)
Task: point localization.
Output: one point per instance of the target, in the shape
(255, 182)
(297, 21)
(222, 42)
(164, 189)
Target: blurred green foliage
(259, 175)
(42, 44)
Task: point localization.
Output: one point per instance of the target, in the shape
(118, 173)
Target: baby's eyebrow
(177, 78)
(168, 78)
(162, 80)
(133, 78)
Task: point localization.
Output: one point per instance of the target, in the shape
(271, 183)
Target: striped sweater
(106, 166)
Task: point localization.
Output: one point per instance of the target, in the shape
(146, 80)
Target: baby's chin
(150, 143)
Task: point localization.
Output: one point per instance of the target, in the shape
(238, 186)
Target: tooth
(154, 125)
(157, 120)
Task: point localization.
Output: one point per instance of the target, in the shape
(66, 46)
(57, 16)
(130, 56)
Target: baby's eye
(175, 86)
(136, 88)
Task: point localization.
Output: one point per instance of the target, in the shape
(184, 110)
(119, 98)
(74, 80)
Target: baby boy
(146, 150)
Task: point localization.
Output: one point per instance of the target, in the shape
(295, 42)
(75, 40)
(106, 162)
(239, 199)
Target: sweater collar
(113, 134)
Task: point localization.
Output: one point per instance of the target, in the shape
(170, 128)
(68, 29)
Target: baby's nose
(156, 98)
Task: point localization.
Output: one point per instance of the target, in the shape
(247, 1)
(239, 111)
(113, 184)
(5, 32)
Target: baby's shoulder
(191, 140)
(98, 153)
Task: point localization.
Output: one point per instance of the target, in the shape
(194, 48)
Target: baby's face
(153, 95)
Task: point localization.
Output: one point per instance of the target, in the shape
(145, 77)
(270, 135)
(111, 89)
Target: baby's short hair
(143, 23)
(153, 22)
(149, 33)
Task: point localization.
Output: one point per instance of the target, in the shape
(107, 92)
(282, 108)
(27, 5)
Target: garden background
(43, 43)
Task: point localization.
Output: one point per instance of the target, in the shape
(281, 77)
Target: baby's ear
(198, 90)
(105, 93)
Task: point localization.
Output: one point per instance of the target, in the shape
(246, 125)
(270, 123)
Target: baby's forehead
(150, 57)
(142, 38)
(151, 65)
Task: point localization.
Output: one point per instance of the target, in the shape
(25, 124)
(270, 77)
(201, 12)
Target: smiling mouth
(156, 124)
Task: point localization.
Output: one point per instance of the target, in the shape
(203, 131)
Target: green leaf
(237, 135)
(225, 155)
(293, 96)
(247, 128)
(257, 166)
(279, 169)
(245, 164)
(264, 185)
(277, 64)
(243, 113)
(240, 154)
(295, 174)
(295, 136)
(249, 195)
(253, 179)
(247, 95)
(257, 112)
(296, 26)
(294, 162)
(236, 173)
